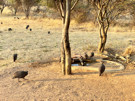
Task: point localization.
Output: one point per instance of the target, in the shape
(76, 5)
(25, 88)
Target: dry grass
(38, 45)
(129, 51)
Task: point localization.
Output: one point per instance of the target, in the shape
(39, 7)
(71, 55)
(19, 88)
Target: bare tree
(108, 10)
(27, 4)
(14, 5)
(65, 7)
(2, 5)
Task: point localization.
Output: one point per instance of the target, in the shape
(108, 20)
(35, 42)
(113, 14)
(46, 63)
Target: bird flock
(23, 74)
(101, 68)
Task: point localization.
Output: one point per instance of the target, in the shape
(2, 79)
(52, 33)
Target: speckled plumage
(101, 69)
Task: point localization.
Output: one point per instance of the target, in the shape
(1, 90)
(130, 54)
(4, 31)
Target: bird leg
(18, 80)
(25, 79)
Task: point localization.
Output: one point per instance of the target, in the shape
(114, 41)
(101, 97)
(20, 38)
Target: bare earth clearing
(45, 82)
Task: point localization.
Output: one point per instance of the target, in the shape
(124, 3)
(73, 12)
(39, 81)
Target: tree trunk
(63, 51)
(26, 8)
(15, 11)
(27, 12)
(66, 38)
(2, 9)
(103, 38)
(65, 48)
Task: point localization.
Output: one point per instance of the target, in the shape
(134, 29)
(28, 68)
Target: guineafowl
(101, 69)
(15, 57)
(20, 74)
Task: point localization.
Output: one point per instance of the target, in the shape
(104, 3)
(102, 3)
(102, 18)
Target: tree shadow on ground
(84, 73)
(67, 79)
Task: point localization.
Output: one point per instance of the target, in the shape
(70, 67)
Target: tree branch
(58, 8)
(74, 5)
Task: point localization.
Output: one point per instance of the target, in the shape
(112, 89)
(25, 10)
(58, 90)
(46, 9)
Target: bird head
(26, 72)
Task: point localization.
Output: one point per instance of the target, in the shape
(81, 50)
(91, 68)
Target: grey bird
(27, 26)
(81, 61)
(101, 68)
(92, 54)
(20, 74)
(15, 57)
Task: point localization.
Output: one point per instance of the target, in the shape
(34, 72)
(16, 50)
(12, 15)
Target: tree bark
(62, 50)
(65, 49)
(1, 11)
(62, 42)
(27, 12)
(103, 38)
(16, 9)
(66, 38)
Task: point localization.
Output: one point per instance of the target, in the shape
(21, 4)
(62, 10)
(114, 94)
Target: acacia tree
(131, 8)
(65, 7)
(15, 4)
(27, 4)
(108, 10)
(2, 5)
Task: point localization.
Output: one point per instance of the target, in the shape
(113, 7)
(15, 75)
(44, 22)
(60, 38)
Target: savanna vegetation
(67, 31)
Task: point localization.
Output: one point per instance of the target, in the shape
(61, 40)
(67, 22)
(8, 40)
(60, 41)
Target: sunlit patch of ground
(46, 82)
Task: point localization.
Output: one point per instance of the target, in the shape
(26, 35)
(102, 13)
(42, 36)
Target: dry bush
(129, 51)
(90, 47)
(110, 51)
(122, 27)
(81, 17)
(131, 65)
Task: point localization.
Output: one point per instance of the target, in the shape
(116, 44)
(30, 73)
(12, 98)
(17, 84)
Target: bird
(15, 57)
(92, 54)
(81, 61)
(18, 18)
(1, 22)
(48, 32)
(101, 68)
(30, 29)
(27, 26)
(86, 56)
(9, 29)
(20, 74)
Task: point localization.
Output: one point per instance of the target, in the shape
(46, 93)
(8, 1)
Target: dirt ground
(45, 82)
